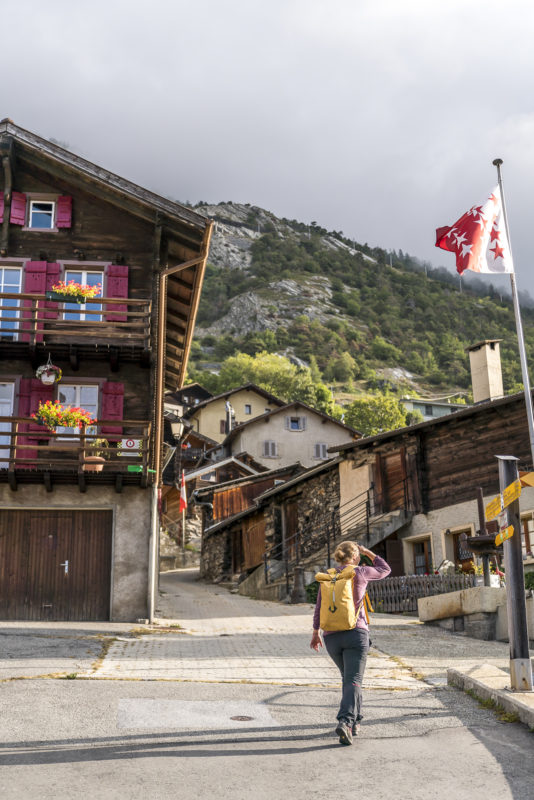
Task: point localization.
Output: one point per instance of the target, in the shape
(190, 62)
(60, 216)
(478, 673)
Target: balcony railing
(35, 319)
(27, 448)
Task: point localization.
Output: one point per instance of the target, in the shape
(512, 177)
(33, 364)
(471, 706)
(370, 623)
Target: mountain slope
(364, 314)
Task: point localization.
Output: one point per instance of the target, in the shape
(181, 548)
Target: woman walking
(348, 648)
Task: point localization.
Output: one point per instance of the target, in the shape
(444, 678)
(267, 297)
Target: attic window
(248, 408)
(41, 214)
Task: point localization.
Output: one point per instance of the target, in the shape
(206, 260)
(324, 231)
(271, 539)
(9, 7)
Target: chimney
(486, 374)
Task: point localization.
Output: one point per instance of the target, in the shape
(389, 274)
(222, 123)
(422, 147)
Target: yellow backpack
(338, 612)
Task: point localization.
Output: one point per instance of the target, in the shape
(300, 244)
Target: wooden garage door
(55, 565)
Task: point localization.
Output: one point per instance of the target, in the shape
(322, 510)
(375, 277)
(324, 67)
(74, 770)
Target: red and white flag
(183, 495)
(479, 238)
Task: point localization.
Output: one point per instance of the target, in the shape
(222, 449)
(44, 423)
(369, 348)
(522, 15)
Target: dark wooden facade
(61, 216)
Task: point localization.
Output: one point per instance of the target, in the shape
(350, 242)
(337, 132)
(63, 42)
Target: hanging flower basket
(53, 415)
(49, 374)
(72, 292)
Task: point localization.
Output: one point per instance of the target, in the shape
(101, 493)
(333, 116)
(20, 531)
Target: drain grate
(242, 718)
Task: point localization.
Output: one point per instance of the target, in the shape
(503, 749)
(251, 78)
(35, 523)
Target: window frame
(81, 383)
(80, 308)
(17, 307)
(270, 445)
(39, 197)
(323, 448)
(248, 408)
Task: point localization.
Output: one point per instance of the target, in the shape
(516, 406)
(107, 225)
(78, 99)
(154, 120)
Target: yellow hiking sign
(495, 506)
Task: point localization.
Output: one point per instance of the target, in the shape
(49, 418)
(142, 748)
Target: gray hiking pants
(348, 650)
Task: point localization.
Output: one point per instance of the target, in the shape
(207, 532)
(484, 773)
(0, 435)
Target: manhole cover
(242, 718)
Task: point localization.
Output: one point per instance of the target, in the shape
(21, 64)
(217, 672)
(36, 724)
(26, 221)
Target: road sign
(501, 537)
(495, 506)
(511, 493)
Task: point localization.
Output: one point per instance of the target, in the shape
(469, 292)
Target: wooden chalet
(76, 544)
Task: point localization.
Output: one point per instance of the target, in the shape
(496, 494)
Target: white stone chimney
(486, 373)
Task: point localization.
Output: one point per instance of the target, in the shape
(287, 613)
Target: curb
(491, 683)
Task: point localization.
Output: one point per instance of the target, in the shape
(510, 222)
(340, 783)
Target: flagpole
(518, 324)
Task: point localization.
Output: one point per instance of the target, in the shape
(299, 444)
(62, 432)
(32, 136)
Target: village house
(409, 494)
(77, 544)
(217, 415)
(292, 432)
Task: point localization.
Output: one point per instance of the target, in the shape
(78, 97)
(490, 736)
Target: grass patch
(492, 705)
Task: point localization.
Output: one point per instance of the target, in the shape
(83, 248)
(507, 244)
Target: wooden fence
(400, 594)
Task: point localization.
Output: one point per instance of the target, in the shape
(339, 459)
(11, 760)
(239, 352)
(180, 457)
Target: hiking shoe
(344, 732)
(356, 729)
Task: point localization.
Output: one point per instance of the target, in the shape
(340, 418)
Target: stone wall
(216, 554)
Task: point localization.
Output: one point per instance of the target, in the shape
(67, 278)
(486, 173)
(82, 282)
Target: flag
(479, 238)
(183, 495)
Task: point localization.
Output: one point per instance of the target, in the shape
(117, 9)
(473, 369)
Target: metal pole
(520, 666)
(482, 532)
(518, 324)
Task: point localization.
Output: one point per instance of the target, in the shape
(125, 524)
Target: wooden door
(394, 557)
(394, 474)
(290, 517)
(55, 565)
(253, 542)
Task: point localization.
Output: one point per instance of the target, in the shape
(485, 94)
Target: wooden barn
(77, 544)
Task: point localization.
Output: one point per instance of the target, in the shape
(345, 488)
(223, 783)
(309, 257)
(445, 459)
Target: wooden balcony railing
(101, 320)
(26, 446)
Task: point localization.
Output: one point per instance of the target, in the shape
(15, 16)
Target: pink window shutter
(18, 208)
(112, 408)
(53, 271)
(64, 212)
(39, 394)
(116, 285)
(34, 283)
(24, 411)
(1, 207)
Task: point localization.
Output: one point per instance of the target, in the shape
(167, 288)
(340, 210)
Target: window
(7, 393)
(527, 540)
(422, 555)
(296, 423)
(10, 283)
(248, 408)
(429, 411)
(222, 426)
(79, 396)
(41, 214)
(85, 311)
(270, 449)
(320, 450)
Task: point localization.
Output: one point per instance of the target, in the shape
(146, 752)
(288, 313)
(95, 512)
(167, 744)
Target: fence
(400, 594)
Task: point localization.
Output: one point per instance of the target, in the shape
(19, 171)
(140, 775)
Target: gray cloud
(378, 118)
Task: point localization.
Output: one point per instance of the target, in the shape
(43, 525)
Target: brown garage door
(55, 565)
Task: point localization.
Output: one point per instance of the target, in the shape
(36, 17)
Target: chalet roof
(252, 387)
(30, 143)
(283, 410)
(197, 473)
(448, 419)
(261, 476)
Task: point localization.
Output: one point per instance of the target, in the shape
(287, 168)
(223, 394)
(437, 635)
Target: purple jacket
(362, 576)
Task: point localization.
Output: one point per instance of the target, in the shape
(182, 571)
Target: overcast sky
(380, 119)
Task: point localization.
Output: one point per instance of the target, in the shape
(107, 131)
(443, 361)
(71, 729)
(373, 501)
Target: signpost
(504, 499)
(520, 666)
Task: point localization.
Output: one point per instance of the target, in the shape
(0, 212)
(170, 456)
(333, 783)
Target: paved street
(234, 701)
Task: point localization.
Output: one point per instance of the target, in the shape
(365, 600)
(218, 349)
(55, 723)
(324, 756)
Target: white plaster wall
(292, 446)
(131, 532)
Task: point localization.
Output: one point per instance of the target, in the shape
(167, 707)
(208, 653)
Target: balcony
(35, 321)
(32, 454)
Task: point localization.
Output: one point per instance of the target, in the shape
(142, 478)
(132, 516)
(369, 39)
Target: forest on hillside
(392, 311)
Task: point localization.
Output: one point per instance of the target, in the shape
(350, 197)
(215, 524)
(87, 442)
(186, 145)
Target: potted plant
(53, 415)
(49, 373)
(95, 455)
(73, 291)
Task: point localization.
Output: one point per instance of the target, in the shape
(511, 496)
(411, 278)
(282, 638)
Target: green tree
(375, 414)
